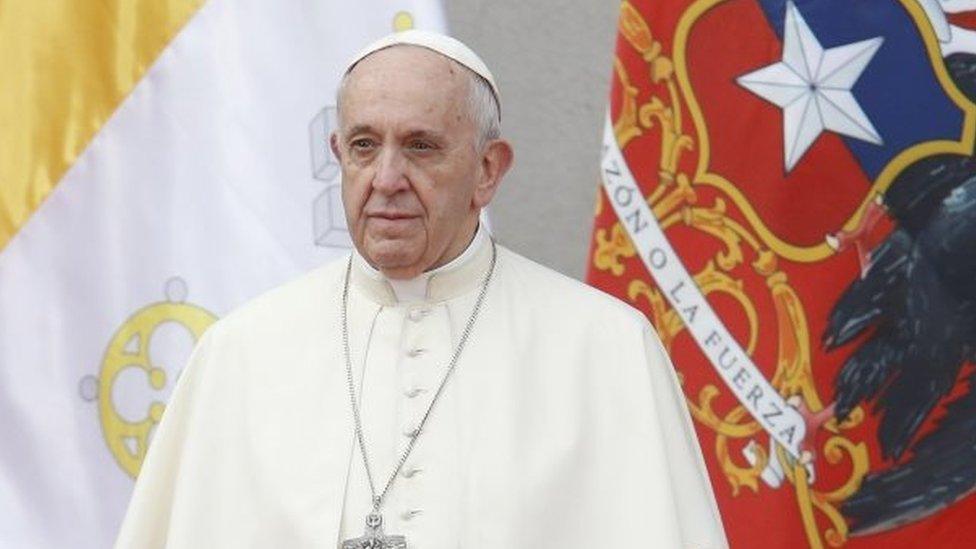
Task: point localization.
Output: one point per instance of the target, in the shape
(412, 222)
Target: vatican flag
(160, 162)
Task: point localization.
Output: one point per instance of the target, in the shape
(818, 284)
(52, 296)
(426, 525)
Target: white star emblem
(813, 87)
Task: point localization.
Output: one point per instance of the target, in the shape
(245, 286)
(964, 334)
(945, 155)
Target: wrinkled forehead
(405, 79)
(406, 87)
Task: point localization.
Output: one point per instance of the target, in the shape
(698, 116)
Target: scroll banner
(783, 423)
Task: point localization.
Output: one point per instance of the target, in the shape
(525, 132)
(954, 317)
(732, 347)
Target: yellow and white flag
(160, 162)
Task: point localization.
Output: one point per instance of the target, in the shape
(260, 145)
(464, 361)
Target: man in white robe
(561, 426)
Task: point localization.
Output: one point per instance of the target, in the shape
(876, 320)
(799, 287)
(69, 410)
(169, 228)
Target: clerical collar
(460, 275)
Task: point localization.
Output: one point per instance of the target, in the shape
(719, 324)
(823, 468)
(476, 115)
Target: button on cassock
(415, 352)
(410, 472)
(416, 315)
(410, 513)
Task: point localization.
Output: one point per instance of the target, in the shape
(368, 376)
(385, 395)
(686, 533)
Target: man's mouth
(391, 216)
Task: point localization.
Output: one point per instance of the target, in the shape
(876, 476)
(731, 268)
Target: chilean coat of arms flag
(789, 194)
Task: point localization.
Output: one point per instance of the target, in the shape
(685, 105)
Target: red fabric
(745, 140)
(966, 20)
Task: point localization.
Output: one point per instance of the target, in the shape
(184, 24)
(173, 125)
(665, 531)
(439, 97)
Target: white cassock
(563, 425)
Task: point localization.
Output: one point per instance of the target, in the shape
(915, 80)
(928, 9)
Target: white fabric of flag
(207, 183)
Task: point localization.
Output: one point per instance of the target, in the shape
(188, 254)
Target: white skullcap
(440, 43)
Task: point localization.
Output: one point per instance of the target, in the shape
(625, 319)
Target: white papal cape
(563, 425)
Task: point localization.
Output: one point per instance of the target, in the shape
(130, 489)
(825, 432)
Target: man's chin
(402, 273)
(394, 259)
(399, 270)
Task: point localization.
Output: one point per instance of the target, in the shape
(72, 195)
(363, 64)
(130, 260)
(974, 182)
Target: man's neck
(415, 289)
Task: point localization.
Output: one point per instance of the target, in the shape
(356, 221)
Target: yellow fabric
(65, 66)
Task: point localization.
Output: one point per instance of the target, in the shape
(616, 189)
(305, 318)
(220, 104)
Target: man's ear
(334, 145)
(495, 162)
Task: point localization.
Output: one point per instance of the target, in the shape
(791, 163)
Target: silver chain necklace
(373, 537)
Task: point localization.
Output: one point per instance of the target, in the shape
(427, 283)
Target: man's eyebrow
(430, 135)
(360, 128)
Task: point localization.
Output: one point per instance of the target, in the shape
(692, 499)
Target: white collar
(438, 284)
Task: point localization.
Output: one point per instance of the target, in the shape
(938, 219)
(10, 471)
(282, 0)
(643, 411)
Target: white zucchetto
(441, 43)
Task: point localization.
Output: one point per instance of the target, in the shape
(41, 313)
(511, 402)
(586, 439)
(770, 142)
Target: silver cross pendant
(373, 537)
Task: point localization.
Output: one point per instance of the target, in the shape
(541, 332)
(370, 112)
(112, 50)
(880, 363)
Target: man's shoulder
(291, 302)
(563, 296)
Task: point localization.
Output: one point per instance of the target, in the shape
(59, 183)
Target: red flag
(789, 194)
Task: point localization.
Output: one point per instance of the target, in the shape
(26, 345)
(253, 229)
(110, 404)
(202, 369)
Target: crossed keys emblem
(373, 537)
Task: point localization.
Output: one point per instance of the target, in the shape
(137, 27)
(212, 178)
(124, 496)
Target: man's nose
(390, 174)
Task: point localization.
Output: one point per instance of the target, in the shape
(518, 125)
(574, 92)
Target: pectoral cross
(373, 537)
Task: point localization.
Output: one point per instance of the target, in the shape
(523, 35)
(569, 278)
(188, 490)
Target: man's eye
(362, 144)
(421, 146)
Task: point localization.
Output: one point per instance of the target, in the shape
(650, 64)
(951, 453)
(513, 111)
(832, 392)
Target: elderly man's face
(413, 179)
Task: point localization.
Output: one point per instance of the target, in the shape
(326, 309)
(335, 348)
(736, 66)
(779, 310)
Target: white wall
(552, 60)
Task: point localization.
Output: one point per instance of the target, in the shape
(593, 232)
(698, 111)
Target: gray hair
(483, 106)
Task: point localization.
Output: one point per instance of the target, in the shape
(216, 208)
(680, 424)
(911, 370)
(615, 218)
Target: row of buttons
(412, 391)
(410, 472)
(416, 315)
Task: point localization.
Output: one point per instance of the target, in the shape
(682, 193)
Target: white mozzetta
(563, 426)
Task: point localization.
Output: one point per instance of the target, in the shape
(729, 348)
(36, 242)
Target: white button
(412, 392)
(414, 353)
(417, 315)
(411, 431)
(409, 514)
(409, 472)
